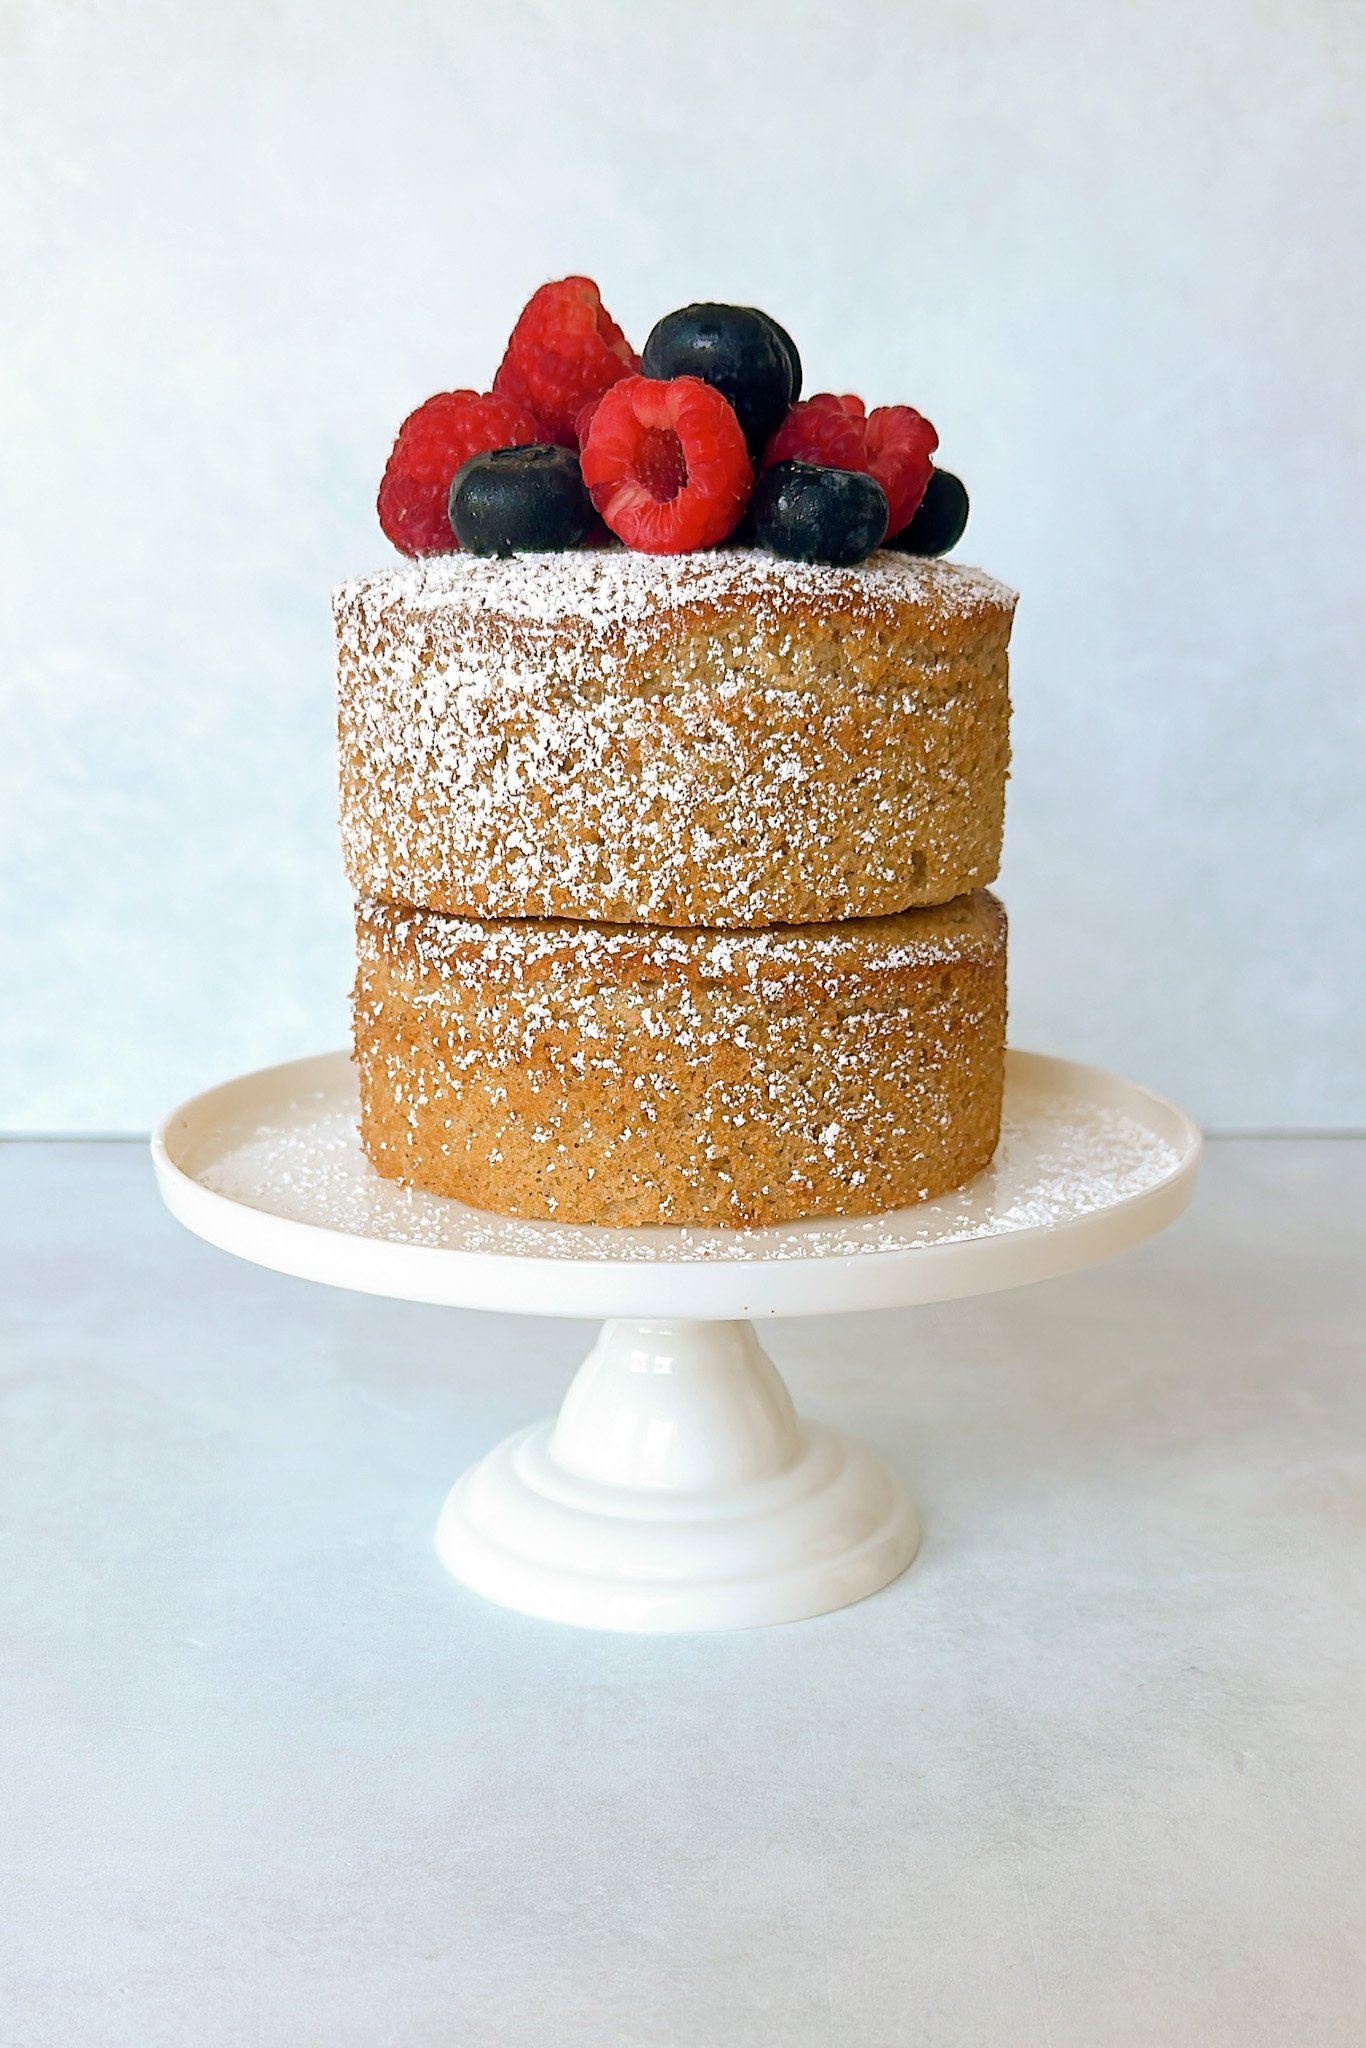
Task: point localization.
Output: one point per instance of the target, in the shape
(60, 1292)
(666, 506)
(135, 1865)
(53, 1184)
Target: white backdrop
(1114, 251)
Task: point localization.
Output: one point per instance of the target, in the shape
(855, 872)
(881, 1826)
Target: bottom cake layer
(626, 1074)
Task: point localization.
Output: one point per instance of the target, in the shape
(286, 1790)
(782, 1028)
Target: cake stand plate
(677, 1488)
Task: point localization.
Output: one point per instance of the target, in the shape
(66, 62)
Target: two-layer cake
(669, 792)
(671, 874)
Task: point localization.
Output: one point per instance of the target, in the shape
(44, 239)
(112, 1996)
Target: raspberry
(583, 419)
(824, 429)
(893, 445)
(900, 443)
(666, 465)
(432, 444)
(565, 350)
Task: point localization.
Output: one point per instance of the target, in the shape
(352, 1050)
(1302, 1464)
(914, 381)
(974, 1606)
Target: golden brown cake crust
(720, 739)
(626, 1075)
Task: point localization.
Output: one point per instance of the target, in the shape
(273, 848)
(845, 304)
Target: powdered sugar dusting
(1063, 1155)
(719, 739)
(475, 950)
(633, 1075)
(614, 593)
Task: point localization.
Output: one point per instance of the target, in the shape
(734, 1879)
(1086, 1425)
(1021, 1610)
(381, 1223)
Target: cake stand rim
(707, 1288)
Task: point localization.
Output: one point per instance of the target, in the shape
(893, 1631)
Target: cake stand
(677, 1488)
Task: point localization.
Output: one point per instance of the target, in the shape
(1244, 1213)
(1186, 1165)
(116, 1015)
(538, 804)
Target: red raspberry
(893, 444)
(900, 443)
(823, 429)
(432, 443)
(565, 350)
(666, 465)
(583, 419)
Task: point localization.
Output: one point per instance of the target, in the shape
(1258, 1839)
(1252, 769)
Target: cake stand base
(677, 1489)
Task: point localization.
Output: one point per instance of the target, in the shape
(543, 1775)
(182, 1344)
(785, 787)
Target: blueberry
(789, 349)
(812, 514)
(746, 534)
(735, 348)
(513, 500)
(938, 520)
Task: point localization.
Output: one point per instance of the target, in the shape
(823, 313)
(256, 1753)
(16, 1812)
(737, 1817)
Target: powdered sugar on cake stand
(677, 1489)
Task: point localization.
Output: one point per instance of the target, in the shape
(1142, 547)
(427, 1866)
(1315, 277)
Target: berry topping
(512, 500)
(939, 518)
(893, 444)
(900, 443)
(733, 348)
(809, 514)
(432, 443)
(565, 350)
(666, 446)
(824, 429)
(583, 419)
(665, 464)
(789, 349)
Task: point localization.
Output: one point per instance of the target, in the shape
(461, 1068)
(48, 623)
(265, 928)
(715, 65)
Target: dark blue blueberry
(736, 349)
(938, 520)
(745, 535)
(789, 349)
(812, 514)
(520, 500)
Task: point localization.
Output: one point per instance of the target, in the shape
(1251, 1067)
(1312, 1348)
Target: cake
(721, 739)
(624, 1074)
(671, 857)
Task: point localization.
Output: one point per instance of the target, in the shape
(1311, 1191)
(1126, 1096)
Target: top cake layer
(720, 739)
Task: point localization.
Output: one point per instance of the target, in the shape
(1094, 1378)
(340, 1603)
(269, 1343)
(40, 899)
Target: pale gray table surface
(1092, 1774)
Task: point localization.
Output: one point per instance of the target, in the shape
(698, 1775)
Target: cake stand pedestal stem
(677, 1489)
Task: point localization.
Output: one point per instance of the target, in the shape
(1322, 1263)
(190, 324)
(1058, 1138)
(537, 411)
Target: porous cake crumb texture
(621, 1074)
(721, 739)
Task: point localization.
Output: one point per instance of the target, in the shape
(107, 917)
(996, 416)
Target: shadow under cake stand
(677, 1488)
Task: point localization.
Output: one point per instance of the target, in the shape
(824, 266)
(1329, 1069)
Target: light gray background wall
(1115, 251)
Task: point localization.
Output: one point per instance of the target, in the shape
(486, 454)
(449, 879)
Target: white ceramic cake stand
(677, 1488)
